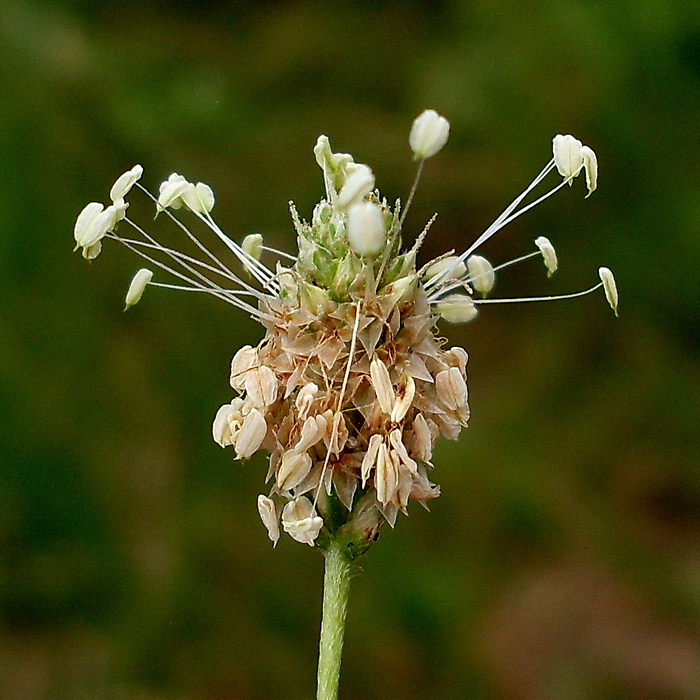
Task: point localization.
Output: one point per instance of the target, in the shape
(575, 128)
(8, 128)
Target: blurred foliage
(562, 561)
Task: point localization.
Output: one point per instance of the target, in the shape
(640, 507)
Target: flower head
(352, 385)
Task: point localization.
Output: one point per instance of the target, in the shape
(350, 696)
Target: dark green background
(562, 561)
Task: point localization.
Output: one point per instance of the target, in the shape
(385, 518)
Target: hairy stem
(336, 585)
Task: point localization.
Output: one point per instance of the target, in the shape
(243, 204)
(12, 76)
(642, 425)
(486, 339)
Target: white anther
(261, 386)
(358, 183)
(268, 515)
(456, 308)
(429, 133)
(170, 192)
(305, 398)
(451, 388)
(381, 382)
(312, 431)
(252, 244)
(251, 435)
(609, 286)
(451, 265)
(481, 274)
(199, 198)
(244, 360)
(125, 182)
(567, 156)
(293, 469)
(137, 287)
(300, 520)
(369, 461)
(590, 164)
(548, 253)
(405, 394)
(366, 229)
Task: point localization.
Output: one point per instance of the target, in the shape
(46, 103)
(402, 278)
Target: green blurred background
(562, 561)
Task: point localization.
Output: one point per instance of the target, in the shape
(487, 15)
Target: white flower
(137, 287)
(125, 182)
(366, 230)
(429, 134)
(351, 385)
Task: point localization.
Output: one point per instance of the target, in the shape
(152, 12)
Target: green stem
(336, 585)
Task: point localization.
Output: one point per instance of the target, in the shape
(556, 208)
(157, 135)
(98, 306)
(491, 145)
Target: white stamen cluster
(351, 385)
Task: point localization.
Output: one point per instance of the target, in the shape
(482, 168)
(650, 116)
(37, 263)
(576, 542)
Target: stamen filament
(534, 204)
(179, 257)
(219, 292)
(414, 187)
(556, 297)
(495, 226)
(182, 288)
(281, 253)
(437, 294)
(344, 386)
(257, 269)
(188, 233)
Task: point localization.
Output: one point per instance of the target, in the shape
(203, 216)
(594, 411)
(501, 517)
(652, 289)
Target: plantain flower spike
(352, 384)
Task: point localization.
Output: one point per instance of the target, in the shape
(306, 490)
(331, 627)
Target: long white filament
(506, 217)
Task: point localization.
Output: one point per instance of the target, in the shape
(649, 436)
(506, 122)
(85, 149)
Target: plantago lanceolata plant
(351, 385)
